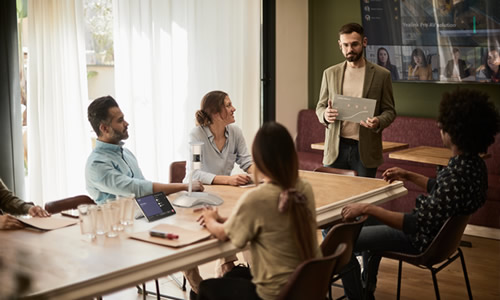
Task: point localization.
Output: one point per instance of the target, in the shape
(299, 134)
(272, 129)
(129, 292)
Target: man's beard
(354, 58)
(119, 136)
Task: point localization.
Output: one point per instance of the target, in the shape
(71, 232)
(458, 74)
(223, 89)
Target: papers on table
(186, 236)
(53, 222)
(353, 109)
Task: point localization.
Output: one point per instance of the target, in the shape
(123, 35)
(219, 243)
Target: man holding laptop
(113, 170)
(352, 145)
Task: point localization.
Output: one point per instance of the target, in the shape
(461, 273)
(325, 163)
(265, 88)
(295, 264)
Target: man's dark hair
(98, 112)
(350, 28)
(470, 119)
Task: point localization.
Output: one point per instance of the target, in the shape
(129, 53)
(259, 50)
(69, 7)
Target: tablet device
(155, 206)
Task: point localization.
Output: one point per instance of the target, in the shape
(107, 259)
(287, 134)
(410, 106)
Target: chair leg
(400, 270)
(183, 283)
(462, 259)
(145, 292)
(434, 280)
(157, 289)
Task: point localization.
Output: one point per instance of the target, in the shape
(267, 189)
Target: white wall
(291, 61)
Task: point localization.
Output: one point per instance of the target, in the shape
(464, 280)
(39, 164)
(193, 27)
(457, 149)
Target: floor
(483, 267)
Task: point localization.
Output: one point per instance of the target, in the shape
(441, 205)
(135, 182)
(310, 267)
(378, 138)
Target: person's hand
(371, 123)
(197, 186)
(37, 211)
(351, 211)
(415, 71)
(395, 173)
(208, 213)
(9, 222)
(238, 179)
(330, 114)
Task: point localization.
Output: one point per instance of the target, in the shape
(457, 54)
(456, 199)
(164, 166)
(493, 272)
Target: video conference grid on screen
(434, 40)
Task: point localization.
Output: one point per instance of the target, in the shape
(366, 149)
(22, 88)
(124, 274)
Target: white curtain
(168, 54)
(58, 133)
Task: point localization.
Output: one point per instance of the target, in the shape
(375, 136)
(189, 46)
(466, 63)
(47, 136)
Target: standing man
(350, 145)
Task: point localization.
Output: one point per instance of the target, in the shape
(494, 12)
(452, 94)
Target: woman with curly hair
(468, 124)
(277, 219)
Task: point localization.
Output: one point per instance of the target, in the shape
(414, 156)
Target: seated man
(9, 203)
(468, 123)
(113, 170)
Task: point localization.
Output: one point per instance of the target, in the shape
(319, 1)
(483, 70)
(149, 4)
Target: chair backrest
(346, 233)
(336, 171)
(57, 206)
(445, 243)
(177, 171)
(311, 279)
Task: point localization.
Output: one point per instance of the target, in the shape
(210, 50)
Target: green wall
(412, 99)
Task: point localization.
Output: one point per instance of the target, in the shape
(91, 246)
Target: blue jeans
(374, 237)
(349, 159)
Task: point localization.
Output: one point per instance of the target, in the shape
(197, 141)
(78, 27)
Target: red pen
(165, 235)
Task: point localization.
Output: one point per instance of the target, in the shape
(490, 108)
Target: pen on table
(165, 235)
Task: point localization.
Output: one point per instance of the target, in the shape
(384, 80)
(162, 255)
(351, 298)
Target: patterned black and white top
(459, 189)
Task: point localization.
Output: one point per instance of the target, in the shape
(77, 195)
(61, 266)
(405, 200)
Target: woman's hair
(418, 52)
(211, 103)
(388, 62)
(487, 70)
(274, 156)
(470, 120)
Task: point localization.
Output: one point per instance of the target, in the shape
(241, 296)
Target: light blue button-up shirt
(215, 162)
(113, 170)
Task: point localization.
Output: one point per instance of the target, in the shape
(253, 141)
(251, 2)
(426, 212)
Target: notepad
(186, 236)
(353, 109)
(50, 223)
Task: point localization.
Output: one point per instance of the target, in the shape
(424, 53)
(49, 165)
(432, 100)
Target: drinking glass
(127, 209)
(111, 218)
(87, 220)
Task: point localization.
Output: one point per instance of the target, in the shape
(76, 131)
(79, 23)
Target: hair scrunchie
(285, 196)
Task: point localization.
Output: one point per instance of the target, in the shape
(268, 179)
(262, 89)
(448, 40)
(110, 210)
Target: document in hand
(185, 236)
(53, 222)
(353, 109)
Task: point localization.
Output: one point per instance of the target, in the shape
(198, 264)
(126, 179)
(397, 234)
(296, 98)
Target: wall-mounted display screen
(434, 40)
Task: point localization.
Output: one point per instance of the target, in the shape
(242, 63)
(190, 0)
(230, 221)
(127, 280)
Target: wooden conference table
(426, 154)
(63, 264)
(386, 146)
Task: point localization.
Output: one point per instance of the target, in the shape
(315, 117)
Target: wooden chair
(177, 171)
(443, 250)
(57, 206)
(336, 171)
(311, 279)
(346, 233)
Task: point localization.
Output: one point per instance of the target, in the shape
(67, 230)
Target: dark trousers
(349, 159)
(235, 284)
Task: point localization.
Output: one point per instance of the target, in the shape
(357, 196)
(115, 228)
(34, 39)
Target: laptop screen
(155, 206)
